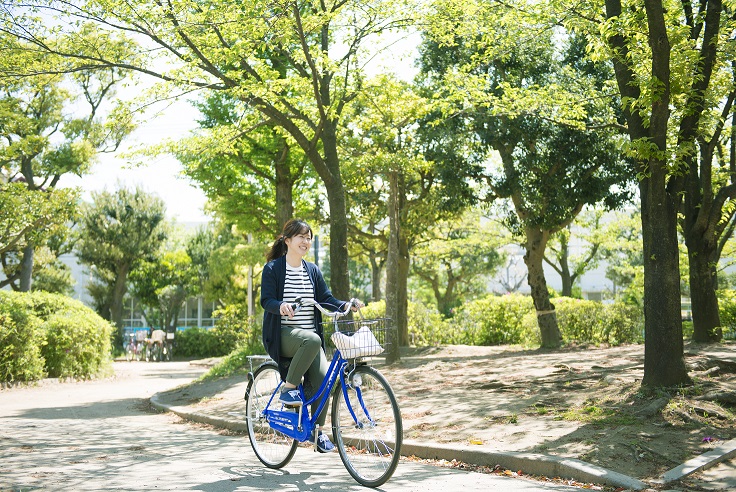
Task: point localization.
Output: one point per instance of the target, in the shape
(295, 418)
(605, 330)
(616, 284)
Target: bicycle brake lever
(297, 305)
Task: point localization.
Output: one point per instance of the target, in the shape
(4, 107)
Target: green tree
(572, 266)
(30, 218)
(162, 284)
(53, 124)
(298, 64)
(665, 61)
(513, 90)
(456, 259)
(116, 233)
(253, 173)
(624, 259)
(387, 164)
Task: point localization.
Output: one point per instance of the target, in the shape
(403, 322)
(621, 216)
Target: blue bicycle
(366, 421)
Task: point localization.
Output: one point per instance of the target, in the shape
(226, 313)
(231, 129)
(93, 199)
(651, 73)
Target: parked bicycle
(131, 347)
(136, 346)
(155, 346)
(167, 350)
(366, 422)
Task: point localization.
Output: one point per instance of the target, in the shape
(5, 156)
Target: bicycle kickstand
(316, 437)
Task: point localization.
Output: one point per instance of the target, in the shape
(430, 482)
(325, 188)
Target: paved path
(101, 435)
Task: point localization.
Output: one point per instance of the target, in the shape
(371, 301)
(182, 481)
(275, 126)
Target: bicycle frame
(296, 424)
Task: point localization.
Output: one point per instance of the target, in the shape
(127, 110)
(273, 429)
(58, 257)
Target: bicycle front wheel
(367, 427)
(272, 448)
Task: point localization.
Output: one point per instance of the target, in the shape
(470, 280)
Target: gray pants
(307, 357)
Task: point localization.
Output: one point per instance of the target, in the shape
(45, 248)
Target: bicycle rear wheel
(272, 448)
(168, 351)
(368, 438)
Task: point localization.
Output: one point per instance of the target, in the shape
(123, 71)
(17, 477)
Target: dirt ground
(585, 403)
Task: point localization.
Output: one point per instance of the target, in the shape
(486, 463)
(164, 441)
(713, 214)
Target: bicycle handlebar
(296, 306)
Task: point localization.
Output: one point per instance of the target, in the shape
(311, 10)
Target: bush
(495, 320)
(54, 332)
(233, 329)
(727, 312)
(425, 324)
(582, 321)
(78, 344)
(21, 339)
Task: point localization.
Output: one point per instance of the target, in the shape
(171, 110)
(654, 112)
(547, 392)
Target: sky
(161, 175)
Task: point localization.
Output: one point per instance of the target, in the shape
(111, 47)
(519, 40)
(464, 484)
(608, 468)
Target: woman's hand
(286, 310)
(357, 304)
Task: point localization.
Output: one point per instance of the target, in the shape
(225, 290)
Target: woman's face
(300, 243)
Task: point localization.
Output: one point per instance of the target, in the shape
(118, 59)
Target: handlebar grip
(297, 306)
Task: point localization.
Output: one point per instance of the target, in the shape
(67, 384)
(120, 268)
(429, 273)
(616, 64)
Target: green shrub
(62, 335)
(727, 312)
(236, 362)
(494, 320)
(233, 329)
(78, 344)
(21, 339)
(624, 323)
(194, 342)
(425, 324)
(582, 321)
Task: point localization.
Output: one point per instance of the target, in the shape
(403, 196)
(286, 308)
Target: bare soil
(585, 403)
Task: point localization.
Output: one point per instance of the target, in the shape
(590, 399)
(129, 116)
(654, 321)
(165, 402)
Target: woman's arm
(269, 290)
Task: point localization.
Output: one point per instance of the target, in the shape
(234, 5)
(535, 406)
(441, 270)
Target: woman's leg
(302, 346)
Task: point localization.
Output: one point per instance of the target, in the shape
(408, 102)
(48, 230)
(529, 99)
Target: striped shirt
(298, 284)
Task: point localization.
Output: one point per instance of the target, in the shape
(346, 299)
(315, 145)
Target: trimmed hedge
(21, 339)
(233, 329)
(497, 320)
(583, 321)
(727, 313)
(44, 334)
(510, 320)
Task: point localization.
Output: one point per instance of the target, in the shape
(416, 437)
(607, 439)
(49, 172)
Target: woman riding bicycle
(296, 336)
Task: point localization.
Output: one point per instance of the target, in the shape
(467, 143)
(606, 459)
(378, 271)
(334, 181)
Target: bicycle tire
(129, 352)
(168, 349)
(272, 448)
(371, 447)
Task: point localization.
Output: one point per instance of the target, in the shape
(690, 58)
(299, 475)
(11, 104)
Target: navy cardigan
(272, 295)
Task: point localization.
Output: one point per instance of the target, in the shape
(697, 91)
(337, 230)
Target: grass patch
(236, 362)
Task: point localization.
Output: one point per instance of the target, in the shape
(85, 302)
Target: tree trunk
(565, 267)
(664, 364)
(706, 319)
(375, 279)
(26, 269)
(536, 242)
(339, 276)
(392, 271)
(402, 324)
(116, 305)
(284, 188)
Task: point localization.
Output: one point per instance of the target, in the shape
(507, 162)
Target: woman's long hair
(292, 228)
